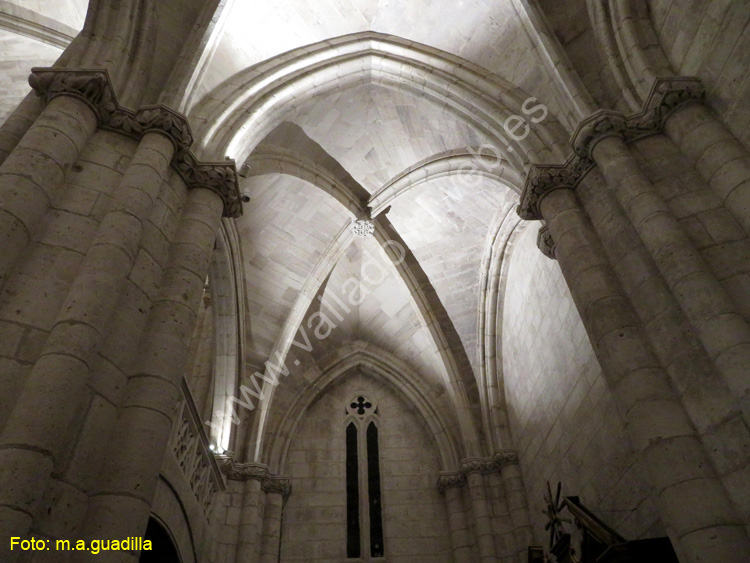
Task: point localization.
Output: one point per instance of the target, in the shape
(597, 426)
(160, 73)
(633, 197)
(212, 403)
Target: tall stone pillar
(503, 533)
(50, 413)
(277, 489)
(56, 385)
(18, 123)
(258, 483)
(721, 329)
(707, 400)
(693, 504)
(33, 172)
(722, 161)
(251, 523)
(515, 497)
(122, 505)
(450, 485)
(480, 509)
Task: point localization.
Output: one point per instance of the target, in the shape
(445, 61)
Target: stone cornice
(483, 465)
(667, 94)
(257, 471)
(94, 88)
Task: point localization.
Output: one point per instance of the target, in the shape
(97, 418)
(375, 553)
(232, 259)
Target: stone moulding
(667, 94)
(94, 88)
(257, 471)
(483, 465)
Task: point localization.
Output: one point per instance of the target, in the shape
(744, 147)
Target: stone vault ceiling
(486, 32)
(372, 133)
(296, 246)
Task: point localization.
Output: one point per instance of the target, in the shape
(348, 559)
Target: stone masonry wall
(415, 522)
(562, 416)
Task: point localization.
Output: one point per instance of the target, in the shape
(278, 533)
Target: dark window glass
(373, 485)
(352, 493)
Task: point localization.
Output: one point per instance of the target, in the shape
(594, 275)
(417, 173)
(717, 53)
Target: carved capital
(542, 180)
(671, 92)
(602, 124)
(667, 94)
(505, 457)
(483, 465)
(90, 86)
(278, 485)
(448, 480)
(257, 471)
(545, 243)
(241, 471)
(95, 88)
(156, 119)
(219, 177)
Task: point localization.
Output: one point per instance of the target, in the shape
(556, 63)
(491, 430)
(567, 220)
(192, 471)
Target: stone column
(505, 545)
(717, 155)
(56, 385)
(34, 171)
(122, 505)
(481, 510)
(450, 485)
(277, 489)
(18, 123)
(693, 505)
(723, 332)
(707, 400)
(250, 534)
(515, 496)
(251, 523)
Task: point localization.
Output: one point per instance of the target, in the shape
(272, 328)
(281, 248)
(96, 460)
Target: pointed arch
(383, 366)
(232, 119)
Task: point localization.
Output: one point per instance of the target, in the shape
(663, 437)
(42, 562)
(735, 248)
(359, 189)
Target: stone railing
(190, 446)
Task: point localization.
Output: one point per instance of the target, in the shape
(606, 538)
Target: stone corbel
(241, 471)
(257, 471)
(545, 243)
(279, 485)
(94, 88)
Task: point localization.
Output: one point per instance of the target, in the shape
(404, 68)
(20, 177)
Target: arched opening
(163, 548)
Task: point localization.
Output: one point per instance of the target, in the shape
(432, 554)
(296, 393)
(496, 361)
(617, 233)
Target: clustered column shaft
(32, 175)
(679, 469)
(122, 506)
(723, 332)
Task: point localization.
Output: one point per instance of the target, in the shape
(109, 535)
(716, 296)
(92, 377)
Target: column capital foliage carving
(667, 94)
(257, 471)
(483, 465)
(278, 485)
(94, 88)
(448, 480)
